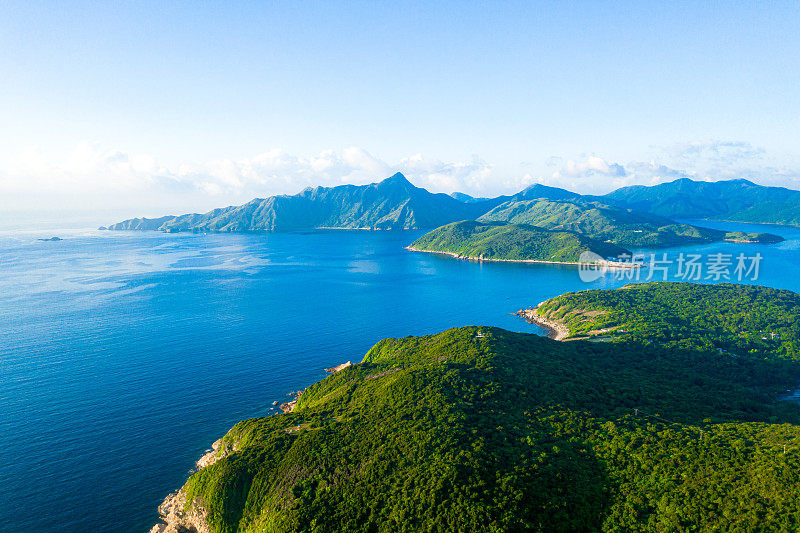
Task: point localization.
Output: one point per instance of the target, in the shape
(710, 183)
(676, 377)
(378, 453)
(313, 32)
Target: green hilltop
(743, 320)
(603, 222)
(512, 242)
(481, 429)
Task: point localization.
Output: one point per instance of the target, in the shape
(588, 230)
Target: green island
(481, 429)
(760, 238)
(498, 241)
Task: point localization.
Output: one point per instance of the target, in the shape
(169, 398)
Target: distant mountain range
(631, 216)
(392, 204)
(735, 200)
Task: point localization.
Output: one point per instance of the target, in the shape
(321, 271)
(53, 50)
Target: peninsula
(481, 429)
(498, 241)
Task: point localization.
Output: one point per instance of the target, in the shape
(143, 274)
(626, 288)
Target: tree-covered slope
(742, 320)
(602, 222)
(512, 242)
(737, 200)
(480, 429)
(391, 204)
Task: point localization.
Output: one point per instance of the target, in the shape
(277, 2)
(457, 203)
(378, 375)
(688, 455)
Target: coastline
(174, 515)
(173, 512)
(607, 264)
(177, 520)
(741, 241)
(555, 330)
(746, 222)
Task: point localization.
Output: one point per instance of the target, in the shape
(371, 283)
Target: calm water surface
(124, 355)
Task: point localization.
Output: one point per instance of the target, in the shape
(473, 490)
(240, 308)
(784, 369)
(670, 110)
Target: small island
(51, 239)
(498, 241)
(753, 238)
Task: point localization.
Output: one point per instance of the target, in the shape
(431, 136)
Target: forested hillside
(602, 222)
(512, 242)
(480, 429)
(392, 204)
(743, 320)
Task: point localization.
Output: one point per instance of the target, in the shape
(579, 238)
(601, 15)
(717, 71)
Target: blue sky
(192, 105)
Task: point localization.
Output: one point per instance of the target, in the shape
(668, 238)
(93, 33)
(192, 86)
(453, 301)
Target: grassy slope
(512, 242)
(506, 431)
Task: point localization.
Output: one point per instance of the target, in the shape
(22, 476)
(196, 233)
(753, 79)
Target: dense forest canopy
(481, 429)
(512, 242)
(742, 320)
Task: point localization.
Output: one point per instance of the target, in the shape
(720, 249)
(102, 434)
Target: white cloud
(720, 160)
(592, 165)
(440, 176)
(714, 151)
(706, 160)
(518, 183)
(592, 174)
(113, 177)
(91, 176)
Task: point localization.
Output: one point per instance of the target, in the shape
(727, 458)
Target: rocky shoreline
(555, 330)
(176, 518)
(288, 407)
(338, 368)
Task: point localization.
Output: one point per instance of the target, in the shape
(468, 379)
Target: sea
(124, 355)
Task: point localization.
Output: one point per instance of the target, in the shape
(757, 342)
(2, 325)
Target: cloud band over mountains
(121, 178)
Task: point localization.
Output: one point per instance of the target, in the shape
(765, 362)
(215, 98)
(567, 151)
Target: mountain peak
(396, 178)
(538, 190)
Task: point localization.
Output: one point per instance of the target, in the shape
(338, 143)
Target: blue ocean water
(123, 355)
